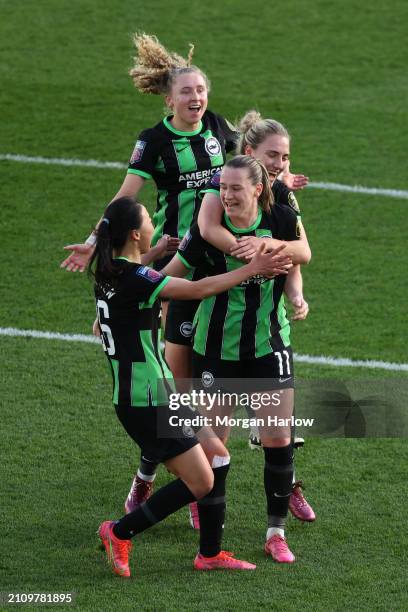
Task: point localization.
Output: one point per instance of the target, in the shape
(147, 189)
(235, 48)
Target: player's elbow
(205, 231)
(302, 256)
(306, 256)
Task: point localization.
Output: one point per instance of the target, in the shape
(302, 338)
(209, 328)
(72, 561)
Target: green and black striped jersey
(241, 323)
(128, 315)
(180, 163)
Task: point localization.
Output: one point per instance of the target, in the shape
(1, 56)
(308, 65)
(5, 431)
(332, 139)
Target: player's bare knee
(203, 484)
(212, 447)
(270, 442)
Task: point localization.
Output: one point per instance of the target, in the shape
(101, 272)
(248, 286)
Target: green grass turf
(69, 467)
(336, 74)
(352, 284)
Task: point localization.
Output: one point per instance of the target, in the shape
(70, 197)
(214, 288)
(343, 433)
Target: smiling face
(188, 100)
(273, 152)
(238, 194)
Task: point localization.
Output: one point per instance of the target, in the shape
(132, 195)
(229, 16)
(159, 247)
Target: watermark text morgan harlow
(244, 423)
(208, 401)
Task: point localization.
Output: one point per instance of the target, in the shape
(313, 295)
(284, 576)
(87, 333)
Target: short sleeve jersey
(242, 323)
(128, 316)
(180, 163)
(281, 193)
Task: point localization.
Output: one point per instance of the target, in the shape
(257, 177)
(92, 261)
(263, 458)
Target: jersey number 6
(107, 338)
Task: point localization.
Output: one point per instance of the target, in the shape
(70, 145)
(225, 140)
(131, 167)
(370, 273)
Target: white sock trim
(275, 531)
(146, 477)
(219, 461)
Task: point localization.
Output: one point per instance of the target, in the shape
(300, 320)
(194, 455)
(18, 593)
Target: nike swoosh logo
(277, 495)
(181, 147)
(282, 380)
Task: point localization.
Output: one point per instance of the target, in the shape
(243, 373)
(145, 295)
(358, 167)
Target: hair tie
(105, 220)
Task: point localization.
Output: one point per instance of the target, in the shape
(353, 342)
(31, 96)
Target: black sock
(211, 511)
(164, 502)
(147, 467)
(278, 475)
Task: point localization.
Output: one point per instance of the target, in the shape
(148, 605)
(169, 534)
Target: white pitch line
(320, 360)
(32, 333)
(350, 363)
(94, 163)
(58, 161)
(393, 193)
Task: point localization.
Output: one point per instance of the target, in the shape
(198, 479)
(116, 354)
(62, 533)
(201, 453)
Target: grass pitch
(336, 75)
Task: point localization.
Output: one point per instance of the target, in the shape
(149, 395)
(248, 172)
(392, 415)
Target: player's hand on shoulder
(79, 258)
(246, 247)
(301, 308)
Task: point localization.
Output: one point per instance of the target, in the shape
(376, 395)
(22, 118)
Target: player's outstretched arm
(79, 258)
(265, 264)
(175, 267)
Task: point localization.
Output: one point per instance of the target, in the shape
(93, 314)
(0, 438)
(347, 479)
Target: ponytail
(120, 217)
(254, 130)
(155, 68)
(265, 200)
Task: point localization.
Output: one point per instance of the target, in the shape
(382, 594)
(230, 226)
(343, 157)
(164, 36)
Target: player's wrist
(91, 240)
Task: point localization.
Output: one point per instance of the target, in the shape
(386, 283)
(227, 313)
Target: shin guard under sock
(211, 511)
(164, 502)
(278, 474)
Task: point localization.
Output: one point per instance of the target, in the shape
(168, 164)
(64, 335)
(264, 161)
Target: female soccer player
(233, 337)
(268, 141)
(180, 153)
(126, 292)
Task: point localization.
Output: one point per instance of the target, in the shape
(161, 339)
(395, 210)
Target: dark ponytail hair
(120, 217)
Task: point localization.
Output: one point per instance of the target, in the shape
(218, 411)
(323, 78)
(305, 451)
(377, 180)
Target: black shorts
(152, 429)
(179, 322)
(272, 371)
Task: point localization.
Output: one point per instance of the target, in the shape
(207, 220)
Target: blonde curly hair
(254, 129)
(155, 68)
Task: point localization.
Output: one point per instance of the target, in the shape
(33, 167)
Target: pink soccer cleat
(299, 506)
(224, 560)
(194, 516)
(139, 492)
(277, 547)
(117, 550)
